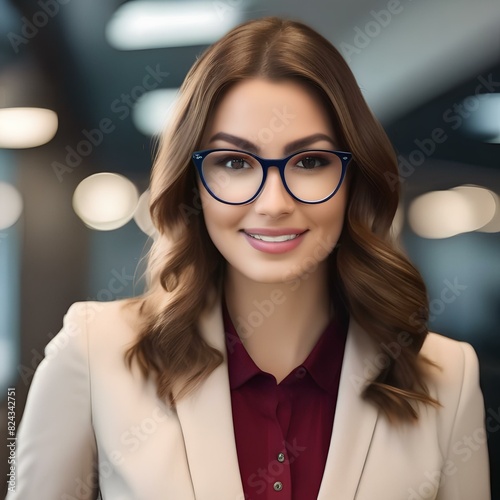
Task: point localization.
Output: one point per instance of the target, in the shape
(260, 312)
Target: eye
(310, 162)
(236, 163)
(232, 162)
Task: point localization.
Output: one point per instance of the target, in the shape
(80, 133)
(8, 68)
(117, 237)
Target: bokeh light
(142, 216)
(105, 201)
(441, 214)
(149, 24)
(26, 127)
(481, 203)
(11, 205)
(493, 226)
(483, 117)
(152, 110)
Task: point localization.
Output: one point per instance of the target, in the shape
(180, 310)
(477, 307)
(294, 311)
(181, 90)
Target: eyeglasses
(238, 177)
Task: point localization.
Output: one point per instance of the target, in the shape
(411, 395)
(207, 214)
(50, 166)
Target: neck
(279, 324)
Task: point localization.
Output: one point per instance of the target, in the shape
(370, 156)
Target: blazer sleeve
(56, 450)
(465, 474)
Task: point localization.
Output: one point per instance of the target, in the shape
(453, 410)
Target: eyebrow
(289, 148)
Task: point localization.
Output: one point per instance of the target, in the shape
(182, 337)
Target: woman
(281, 349)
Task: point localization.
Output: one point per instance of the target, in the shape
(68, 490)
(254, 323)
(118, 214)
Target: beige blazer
(90, 420)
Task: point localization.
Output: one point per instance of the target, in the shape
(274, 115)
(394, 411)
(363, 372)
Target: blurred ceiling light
(142, 216)
(493, 226)
(11, 205)
(26, 127)
(105, 201)
(481, 202)
(149, 24)
(483, 117)
(152, 110)
(441, 214)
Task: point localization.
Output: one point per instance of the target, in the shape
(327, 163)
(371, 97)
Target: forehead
(261, 108)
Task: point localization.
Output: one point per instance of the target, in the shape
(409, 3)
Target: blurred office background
(99, 77)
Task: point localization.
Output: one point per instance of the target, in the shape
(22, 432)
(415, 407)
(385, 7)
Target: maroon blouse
(283, 430)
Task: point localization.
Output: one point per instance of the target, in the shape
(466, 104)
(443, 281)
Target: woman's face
(273, 120)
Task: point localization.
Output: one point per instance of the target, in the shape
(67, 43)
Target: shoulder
(104, 317)
(88, 311)
(90, 326)
(453, 376)
(454, 359)
(93, 342)
(440, 346)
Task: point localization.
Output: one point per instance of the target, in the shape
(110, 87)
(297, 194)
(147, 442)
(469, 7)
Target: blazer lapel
(354, 423)
(206, 420)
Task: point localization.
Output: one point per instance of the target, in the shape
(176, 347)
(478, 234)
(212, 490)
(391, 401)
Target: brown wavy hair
(381, 290)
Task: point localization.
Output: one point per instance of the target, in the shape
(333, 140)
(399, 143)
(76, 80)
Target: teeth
(274, 239)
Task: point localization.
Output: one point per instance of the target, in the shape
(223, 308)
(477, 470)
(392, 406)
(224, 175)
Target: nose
(274, 199)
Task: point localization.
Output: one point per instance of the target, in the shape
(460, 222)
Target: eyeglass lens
(236, 177)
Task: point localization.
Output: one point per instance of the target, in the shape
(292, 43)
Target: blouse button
(278, 486)
(281, 457)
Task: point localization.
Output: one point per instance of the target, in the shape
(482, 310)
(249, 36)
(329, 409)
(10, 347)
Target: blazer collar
(354, 423)
(205, 417)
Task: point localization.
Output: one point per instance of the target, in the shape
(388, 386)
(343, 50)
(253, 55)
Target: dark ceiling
(86, 80)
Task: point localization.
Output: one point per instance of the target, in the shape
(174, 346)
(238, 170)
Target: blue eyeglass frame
(280, 163)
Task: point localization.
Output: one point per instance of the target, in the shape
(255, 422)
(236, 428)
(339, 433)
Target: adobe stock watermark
(105, 468)
(245, 326)
(264, 476)
(453, 117)
(301, 272)
(117, 283)
(11, 438)
(120, 108)
(133, 437)
(437, 306)
(363, 36)
(281, 118)
(262, 310)
(373, 366)
(462, 451)
(392, 350)
(31, 27)
(223, 8)
(57, 343)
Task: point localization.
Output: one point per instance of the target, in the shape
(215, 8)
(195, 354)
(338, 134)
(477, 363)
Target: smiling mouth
(274, 239)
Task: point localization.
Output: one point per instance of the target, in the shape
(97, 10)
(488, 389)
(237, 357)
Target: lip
(274, 247)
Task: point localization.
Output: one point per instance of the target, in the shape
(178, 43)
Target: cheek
(218, 216)
(211, 213)
(330, 218)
